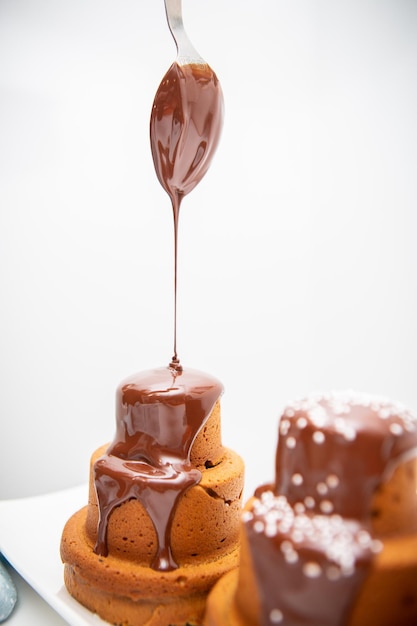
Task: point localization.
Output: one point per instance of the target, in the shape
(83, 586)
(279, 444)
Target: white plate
(30, 534)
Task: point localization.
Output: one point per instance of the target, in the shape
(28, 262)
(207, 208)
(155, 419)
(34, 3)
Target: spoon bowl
(187, 115)
(185, 127)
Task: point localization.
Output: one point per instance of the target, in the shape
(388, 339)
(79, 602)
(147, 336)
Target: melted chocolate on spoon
(185, 127)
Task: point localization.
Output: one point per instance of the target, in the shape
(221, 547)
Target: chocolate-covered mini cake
(333, 541)
(162, 522)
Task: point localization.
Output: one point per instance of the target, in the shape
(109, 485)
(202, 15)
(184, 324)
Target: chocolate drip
(309, 532)
(159, 414)
(185, 127)
(335, 450)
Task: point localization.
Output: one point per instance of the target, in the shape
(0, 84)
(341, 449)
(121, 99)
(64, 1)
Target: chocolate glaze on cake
(158, 416)
(309, 533)
(333, 540)
(317, 562)
(335, 449)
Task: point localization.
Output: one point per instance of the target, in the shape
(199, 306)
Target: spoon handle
(186, 53)
(173, 9)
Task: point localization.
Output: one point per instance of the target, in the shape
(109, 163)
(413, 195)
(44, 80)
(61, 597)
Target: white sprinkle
(285, 525)
(247, 516)
(291, 557)
(289, 412)
(326, 506)
(333, 572)
(276, 616)
(309, 502)
(377, 546)
(299, 508)
(340, 408)
(322, 488)
(258, 526)
(364, 538)
(297, 536)
(318, 437)
(349, 434)
(384, 413)
(301, 422)
(286, 546)
(332, 480)
(347, 561)
(396, 429)
(284, 427)
(291, 443)
(270, 530)
(311, 570)
(297, 479)
(267, 496)
(318, 415)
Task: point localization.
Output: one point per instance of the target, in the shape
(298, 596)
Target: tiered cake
(162, 521)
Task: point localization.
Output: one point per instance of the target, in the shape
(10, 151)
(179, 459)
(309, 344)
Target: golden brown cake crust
(124, 593)
(389, 594)
(207, 449)
(122, 588)
(120, 610)
(206, 519)
(220, 608)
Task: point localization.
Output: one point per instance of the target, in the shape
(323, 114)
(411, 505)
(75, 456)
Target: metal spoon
(186, 53)
(8, 593)
(185, 127)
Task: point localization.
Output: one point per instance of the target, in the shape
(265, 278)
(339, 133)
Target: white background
(297, 261)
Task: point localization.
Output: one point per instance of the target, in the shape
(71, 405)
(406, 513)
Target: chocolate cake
(333, 541)
(162, 522)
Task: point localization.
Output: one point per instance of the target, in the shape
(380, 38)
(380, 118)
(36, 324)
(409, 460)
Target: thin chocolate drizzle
(309, 532)
(159, 414)
(185, 127)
